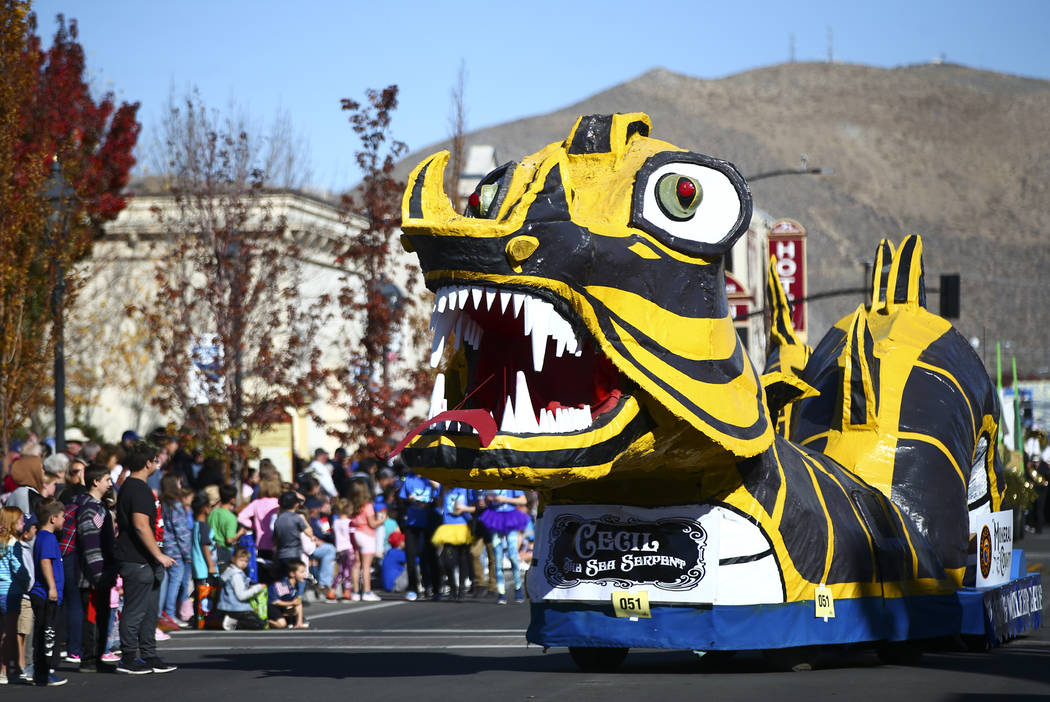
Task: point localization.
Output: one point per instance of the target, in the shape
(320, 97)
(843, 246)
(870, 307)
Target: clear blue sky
(521, 58)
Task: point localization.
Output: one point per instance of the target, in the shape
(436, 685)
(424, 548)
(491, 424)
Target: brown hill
(958, 155)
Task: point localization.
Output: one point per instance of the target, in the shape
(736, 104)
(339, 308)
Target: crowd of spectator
(106, 549)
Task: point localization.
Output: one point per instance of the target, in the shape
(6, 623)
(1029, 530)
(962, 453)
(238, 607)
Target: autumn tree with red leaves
(47, 112)
(374, 388)
(235, 339)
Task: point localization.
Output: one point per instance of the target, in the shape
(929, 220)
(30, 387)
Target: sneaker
(110, 657)
(52, 681)
(370, 597)
(502, 599)
(519, 596)
(330, 595)
(228, 623)
(160, 666)
(411, 596)
(356, 597)
(72, 658)
(161, 635)
(133, 666)
(3, 679)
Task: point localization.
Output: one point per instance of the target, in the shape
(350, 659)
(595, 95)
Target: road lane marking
(354, 610)
(307, 632)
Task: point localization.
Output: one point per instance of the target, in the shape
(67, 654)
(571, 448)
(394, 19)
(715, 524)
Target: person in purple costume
(505, 522)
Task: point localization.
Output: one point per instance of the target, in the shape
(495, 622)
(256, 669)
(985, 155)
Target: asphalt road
(394, 650)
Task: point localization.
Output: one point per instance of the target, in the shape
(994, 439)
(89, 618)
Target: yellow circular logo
(985, 552)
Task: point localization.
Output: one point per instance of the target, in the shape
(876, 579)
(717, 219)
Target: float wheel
(792, 660)
(592, 659)
(900, 653)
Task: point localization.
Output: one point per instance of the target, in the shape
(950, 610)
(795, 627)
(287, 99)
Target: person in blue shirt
(46, 593)
(418, 495)
(504, 521)
(285, 598)
(453, 537)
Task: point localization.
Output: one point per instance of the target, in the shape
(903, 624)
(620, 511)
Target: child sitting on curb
(237, 593)
(286, 599)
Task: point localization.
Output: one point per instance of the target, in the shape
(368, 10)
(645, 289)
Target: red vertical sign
(787, 244)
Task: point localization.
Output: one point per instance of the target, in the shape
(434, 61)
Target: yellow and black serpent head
(581, 299)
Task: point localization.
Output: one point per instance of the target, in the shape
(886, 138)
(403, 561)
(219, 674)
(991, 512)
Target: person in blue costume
(504, 520)
(453, 537)
(418, 494)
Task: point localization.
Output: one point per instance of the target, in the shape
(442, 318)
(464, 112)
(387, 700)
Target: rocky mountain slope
(958, 155)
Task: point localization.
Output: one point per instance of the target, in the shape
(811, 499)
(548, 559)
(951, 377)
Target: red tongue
(480, 419)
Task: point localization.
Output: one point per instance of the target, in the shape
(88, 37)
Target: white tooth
(453, 299)
(437, 395)
(508, 425)
(504, 300)
(586, 416)
(519, 298)
(524, 415)
(475, 295)
(566, 421)
(436, 350)
(546, 422)
(561, 347)
(572, 344)
(462, 293)
(541, 314)
(442, 300)
(529, 304)
(458, 331)
(490, 297)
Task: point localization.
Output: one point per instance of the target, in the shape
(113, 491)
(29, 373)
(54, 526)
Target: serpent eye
(678, 196)
(487, 197)
(692, 203)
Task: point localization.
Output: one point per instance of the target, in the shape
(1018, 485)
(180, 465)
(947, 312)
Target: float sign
(995, 544)
(586, 552)
(787, 244)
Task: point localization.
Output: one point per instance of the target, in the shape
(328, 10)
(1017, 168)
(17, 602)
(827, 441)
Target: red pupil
(686, 189)
(474, 200)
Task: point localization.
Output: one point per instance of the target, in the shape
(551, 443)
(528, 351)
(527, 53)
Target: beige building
(111, 371)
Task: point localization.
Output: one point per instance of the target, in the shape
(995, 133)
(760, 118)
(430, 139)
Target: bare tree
(374, 387)
(235, 339)
(457, 123)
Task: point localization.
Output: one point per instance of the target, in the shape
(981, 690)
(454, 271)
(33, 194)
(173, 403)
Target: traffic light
(950, 295)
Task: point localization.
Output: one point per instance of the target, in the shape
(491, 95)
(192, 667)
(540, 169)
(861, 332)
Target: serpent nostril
(519, 249)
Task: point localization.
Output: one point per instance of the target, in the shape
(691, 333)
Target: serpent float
(688, 500)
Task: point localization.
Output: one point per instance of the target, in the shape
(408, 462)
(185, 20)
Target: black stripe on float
(736, 560)
(415, 203)
(900, 285)
(592, 136)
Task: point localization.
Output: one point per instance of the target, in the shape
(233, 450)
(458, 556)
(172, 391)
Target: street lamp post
(58, 194)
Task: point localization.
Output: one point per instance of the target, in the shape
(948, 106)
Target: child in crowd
(453, 538)
(177, 545)
(286, 598)
(224, 527)
(46, 593)
(237, 593)
(202, 549)
(363, 523)
(344, 549)
(13, 584)
(288, 529)
(395, 575)
(24, 626)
